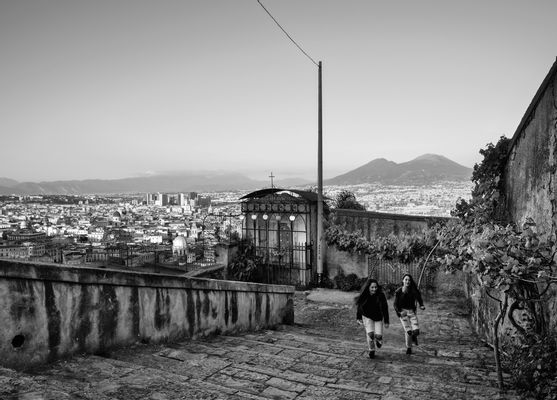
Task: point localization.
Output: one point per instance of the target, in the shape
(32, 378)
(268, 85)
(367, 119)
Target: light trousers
(410, 324)
(374, 331)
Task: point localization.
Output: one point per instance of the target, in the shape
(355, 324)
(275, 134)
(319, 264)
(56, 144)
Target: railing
(391, 272)
(287, 265)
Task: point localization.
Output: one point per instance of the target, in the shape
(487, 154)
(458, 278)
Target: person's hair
(413, 287)
(364, 291)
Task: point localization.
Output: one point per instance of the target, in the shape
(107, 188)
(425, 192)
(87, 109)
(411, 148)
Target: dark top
(374, 307)
(407, 300)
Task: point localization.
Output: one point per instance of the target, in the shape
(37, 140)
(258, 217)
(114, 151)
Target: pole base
(319, 278)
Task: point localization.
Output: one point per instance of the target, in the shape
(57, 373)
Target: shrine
(281, 224)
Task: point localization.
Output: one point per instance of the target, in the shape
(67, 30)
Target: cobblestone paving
(322, 356)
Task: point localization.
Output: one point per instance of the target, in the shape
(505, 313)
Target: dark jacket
(374, 307)
(407, 301)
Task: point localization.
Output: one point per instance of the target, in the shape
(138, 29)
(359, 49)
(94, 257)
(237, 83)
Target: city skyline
(114, 90)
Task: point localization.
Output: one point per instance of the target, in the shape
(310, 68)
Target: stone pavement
(322, 356)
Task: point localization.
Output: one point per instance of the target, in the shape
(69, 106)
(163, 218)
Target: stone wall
(50, 311)
(347, 262)
(531, 171)
(373, 224)
(484, 311)
(370, 224)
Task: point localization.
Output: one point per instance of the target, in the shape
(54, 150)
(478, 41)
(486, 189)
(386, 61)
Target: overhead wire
(286, 33)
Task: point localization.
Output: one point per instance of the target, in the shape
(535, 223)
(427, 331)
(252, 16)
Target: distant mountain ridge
(426, 169)
(171, 182)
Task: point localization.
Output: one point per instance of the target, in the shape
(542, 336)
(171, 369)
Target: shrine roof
(305, 194)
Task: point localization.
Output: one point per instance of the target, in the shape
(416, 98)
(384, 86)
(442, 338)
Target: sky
(111, 89)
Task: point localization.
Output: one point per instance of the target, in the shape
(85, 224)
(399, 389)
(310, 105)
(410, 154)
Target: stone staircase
(322, 356)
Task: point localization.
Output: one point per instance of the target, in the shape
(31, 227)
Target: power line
(286, 33)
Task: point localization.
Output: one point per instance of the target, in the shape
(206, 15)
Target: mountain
(426, 169)
(6, 182)
(170, 182)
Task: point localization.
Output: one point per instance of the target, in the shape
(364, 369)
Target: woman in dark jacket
(372, 313)
(406, 298)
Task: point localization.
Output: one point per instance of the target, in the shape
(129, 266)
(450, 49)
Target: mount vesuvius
(426, 169)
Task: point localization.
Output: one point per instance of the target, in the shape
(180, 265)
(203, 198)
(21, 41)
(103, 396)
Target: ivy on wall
(403, 248)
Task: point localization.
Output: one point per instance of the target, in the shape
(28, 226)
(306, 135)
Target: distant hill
(6, 182)
(172, 182)
(426, 169)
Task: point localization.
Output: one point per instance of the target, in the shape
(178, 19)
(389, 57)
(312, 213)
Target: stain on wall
(53, 311)
(234, 306)
(134, 310)
(53, 320)
(373, 224)
(530, 172)
(84, 324)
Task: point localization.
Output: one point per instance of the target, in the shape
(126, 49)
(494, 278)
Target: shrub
(325, 283)
(348, 283)
(533, 367)
(389, 289)
(244, 265)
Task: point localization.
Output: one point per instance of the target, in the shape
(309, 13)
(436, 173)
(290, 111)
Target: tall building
(204, 201)
(152, 198)
(182, 200)
(158, 200)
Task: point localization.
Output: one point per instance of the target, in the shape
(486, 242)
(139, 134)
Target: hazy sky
(119, 88)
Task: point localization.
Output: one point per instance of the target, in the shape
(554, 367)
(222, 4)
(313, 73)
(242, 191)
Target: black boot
(372, 354)
(415, 336)
(409, 350)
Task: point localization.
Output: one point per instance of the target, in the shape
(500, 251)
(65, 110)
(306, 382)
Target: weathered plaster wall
(531, 168)
(347, 262)
(484, 311)
(49, 311)
(530, 173)
(370, 224)
(373, 224)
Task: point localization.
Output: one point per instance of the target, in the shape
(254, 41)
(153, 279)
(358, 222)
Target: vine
(510, 263)
(403, 248)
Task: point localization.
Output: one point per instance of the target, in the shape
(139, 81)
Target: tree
(487, 201)
(347, 200)
(244, 265)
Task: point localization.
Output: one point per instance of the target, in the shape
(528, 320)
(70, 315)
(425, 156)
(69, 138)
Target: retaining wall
(50, 311)
(376, 224)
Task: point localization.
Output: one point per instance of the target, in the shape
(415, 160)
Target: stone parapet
(50, 311)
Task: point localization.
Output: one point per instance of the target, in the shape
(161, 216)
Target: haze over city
(118, 89)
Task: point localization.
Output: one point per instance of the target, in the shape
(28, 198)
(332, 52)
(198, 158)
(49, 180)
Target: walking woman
(372, 313)
(406, 298)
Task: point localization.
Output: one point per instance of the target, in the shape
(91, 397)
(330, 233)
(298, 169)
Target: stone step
(236, 361)
(309, 360)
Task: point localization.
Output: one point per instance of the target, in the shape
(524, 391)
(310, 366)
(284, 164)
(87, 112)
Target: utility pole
(320, 178)
(319, 237)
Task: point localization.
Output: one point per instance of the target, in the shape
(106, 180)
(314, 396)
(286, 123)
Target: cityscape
(264, 200)
(177, 232)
